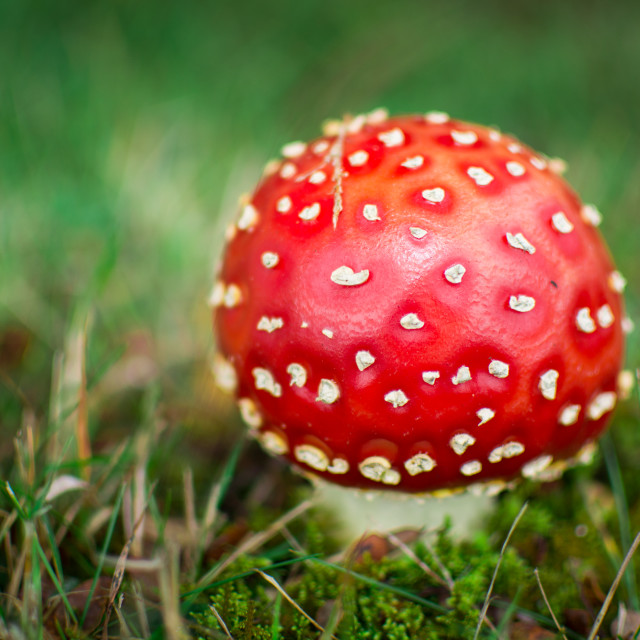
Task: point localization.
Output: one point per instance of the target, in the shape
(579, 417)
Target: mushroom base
(359, 512)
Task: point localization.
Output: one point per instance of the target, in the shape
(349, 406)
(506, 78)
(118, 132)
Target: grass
(129, 504)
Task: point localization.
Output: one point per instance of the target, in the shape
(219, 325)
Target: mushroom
(419, 304)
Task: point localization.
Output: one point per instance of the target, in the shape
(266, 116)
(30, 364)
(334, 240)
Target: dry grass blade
(190, 504)
(191, 522)
(428, 570)
(335, 157)
(174, 628)
(121, 566)
(546, 601)
(436, 558)
(211, 513)
(69, 402)
(5, 536)
(614, 586)
(256, 541)
(221, 622)
(273, 582)
(505, 544)
(141, 609)
(18, 573)
(125, 632)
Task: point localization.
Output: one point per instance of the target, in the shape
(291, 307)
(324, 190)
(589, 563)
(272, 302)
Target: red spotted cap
(420, 304)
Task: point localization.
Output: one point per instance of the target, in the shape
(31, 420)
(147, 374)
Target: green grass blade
(54, 579)
(622, 509)
(107, 541)
(14, 501)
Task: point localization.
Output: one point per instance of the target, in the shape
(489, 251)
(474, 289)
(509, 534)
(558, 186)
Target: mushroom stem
(359, 512)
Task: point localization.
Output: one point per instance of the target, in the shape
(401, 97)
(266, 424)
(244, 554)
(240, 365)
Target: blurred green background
(128, 129)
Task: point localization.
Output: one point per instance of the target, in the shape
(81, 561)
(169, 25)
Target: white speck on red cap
(463, 375)
(569, 415)
(499, 369)
(420, 463)
(411, 321)
(617, 281)
(414, 162)
(356, 124)
(584, 321)
(536, 466)
(548, 384)
(417, 232)
(249, 412)
(430, 377)
(320, 147)
(317, 177)
(538, 163)
(273, 442)
(601, 404)
(480, 176)
(471, 468)
(378, 469)
(312, 457)
(270, 324)
(522, 303)
(364, 359)
(328, 391)
(288, 170)
(518, 241)
(265, 381)
(397, 398)
(377, 116)
(283, 205)
(558, 166)
(464, 137)
(625, 382)
(605, 316)
(434, 195)
(270, 259)
(249, 218)
(454, 273)
(515, 169)
(437, 117)
(370, 212)
(591, 215)
(224, 374)
(311, 212)
(298, 374)
(561, 223)
(217, 294)
(232, 296)
(358, 158)
(392, 138)
(294, 149)
(461, 442)
(485, 414)
(338, 466)
(346, 276)
(508, 450)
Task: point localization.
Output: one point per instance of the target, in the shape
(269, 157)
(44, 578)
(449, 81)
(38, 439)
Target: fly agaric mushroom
(420, 304)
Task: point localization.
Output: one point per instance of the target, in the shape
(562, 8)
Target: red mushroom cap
(419, 303)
